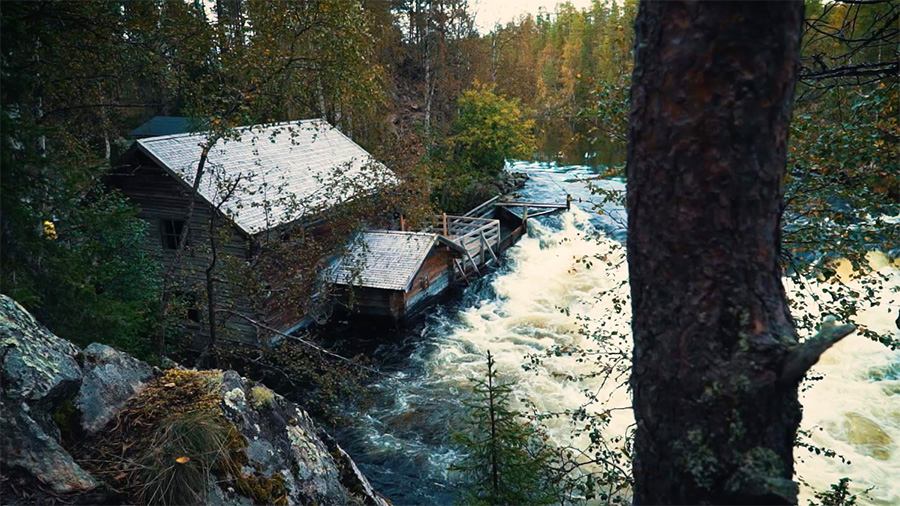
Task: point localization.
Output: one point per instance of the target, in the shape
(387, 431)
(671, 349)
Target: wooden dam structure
(397, 273)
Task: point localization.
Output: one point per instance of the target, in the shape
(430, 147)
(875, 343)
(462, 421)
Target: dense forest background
(415, 83)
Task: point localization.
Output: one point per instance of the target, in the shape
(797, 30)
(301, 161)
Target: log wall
(160, 197)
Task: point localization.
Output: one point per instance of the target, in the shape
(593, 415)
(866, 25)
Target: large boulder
(282, 440)
(111, 378)
(28, 448)
(39, 373)
(39, 369)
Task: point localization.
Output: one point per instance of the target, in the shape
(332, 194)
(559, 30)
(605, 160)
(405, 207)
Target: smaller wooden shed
(393, 274)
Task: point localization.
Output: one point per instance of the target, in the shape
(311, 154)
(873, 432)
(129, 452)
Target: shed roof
(269, 175)
(384, 259)
(165, 125)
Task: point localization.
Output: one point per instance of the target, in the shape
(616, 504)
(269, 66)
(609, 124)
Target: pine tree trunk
(716, 360)
(429, 88)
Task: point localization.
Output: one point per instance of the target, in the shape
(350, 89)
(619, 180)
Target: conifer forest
(437, 252)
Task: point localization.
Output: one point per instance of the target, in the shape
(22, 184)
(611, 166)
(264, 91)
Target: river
(545, 295)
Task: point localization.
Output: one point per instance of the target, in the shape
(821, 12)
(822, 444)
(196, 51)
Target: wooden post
(462, 270)
(402, 223)
(446, 234)
(474, 265)
(483, 242)
(483, 258)
(524, 214)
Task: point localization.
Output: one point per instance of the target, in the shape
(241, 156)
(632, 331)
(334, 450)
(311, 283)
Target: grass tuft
(184, 449)
(172, 442)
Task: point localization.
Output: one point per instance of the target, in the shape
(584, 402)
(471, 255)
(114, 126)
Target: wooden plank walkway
(532, 204)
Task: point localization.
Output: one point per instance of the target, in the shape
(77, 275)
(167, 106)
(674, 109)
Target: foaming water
(533, 309)
(563, 282)
(855, 409)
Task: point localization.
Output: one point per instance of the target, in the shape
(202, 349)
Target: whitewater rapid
(562, 283)
(854, 410)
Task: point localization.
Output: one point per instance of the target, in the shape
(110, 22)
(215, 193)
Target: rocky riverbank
(98, 426)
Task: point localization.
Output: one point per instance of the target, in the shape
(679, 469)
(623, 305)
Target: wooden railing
(479, 238)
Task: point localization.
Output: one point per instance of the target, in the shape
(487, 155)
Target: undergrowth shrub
(261, 398)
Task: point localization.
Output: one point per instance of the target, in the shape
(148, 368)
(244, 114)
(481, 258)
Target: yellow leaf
(183, 460)
(49, 230)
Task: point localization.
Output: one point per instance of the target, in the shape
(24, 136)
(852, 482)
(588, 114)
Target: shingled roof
(279, 172)
(384, 259)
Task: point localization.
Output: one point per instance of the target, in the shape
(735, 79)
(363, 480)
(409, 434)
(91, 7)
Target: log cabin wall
(374, 301)
(433, 278)
(163, 200)
(282, 315)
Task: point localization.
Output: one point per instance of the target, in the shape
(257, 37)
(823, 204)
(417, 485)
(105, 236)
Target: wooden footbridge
(394, 273)
(477, 240)
(479, 234)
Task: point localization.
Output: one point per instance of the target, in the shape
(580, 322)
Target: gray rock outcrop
(110, 379)
(39, 373)
(282, 439)
(44, 375)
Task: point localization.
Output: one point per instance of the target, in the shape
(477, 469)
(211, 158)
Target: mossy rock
(262, 489)
(261, 397)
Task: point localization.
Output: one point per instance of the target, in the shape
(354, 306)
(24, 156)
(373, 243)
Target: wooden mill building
(261, 183)
(396, 274)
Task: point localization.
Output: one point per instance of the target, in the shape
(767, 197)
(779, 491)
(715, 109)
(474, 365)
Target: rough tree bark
(716, 357)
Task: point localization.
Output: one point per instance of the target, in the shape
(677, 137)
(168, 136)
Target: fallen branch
(300, 340)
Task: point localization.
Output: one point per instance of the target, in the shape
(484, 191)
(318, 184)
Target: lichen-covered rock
(271, 452)
(27, 447)
(351, 476)
(38, 368)
(39, 373)
(110, 379)
(283, 441)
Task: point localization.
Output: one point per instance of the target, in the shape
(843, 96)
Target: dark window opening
(171, 233)
(189, 303)
(193, 314)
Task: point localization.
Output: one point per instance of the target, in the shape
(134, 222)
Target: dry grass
(163, 447)
(184, 450)
(172, 441)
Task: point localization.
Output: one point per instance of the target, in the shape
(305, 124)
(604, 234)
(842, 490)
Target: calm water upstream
(402, 442)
